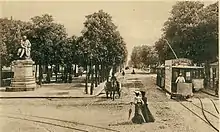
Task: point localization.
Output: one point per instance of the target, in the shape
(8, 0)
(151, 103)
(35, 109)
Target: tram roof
(188, 67)
(182, 66)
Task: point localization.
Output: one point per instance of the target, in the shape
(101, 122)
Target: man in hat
(180, 79)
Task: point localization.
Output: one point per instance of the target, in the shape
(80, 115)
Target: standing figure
(123, 73)
(133, 72)
(25, 50)
(138, 102)
(180, 79)
(145, 110)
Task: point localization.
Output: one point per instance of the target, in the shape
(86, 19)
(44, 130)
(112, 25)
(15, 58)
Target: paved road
(101, 114)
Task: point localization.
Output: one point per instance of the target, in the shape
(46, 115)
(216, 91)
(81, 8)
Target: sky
(139, 22)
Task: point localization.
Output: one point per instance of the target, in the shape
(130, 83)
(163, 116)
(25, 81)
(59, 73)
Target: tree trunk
(0, 71)
(75, 71)
(56, 71)
(86, 86)
(96, 75)
(36, 72)
(48, 74)
(105, 73)
(40, 74)
(89, 74)
(65, 74)
(70, 74)
(102, 73)
(92, 82)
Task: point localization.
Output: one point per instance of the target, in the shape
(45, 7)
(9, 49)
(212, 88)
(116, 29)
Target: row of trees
(192, 32)
(100, 46)
(143, 56)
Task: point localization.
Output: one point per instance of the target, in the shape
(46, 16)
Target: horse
(112, 87)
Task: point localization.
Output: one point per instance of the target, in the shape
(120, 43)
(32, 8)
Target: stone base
(24, 79)
(11, 89)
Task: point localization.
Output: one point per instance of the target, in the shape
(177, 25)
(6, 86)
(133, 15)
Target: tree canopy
(144, 56)
(192, 31)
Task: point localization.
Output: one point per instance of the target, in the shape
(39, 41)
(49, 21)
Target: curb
(42, 97)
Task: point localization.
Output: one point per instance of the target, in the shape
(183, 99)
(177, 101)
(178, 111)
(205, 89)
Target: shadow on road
(42, 122)
(72, 122)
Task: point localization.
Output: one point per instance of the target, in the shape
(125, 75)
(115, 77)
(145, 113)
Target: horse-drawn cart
(112, 87)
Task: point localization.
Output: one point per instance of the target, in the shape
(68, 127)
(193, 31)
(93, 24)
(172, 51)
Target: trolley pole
(171, 48)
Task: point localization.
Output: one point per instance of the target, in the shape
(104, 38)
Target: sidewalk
(57, 90)
(49, 91)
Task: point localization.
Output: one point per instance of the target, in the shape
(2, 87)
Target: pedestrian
(133, 72)
(138, 102)
(145, 110)
(180, 79)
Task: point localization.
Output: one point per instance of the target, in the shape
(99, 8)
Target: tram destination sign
(181, 61)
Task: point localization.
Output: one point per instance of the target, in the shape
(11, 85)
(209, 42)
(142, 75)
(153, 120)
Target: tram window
(214, 72)
(193, 74)
(188, 76)
(197, 74)
(202, 73)
(163, 73)
(175, 74)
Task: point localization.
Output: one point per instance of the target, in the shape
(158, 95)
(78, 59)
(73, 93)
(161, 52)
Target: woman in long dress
(138, 116)
(145, 110)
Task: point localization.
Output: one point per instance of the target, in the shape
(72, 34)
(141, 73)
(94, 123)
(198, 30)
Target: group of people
(142, 113)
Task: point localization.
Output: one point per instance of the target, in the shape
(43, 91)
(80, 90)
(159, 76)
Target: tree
(11, 32)
(3, 54)
(102, 43)
(136, 57)
(192, 32)
(48, 42)
(144, 56)
(149, 56)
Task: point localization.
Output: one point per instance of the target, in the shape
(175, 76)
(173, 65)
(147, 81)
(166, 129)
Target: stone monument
(24, 79)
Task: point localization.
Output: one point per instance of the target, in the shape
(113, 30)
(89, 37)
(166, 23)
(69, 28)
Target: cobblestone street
(101, 114)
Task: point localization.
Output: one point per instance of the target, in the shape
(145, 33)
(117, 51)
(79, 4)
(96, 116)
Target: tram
(168, 73)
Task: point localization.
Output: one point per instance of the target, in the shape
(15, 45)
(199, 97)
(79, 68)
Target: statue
(25, 50)
(23, 79)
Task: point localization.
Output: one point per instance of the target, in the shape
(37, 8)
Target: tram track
(206, 111)
(206, 117)
(215, 106)
(80, 127)
(202, 116)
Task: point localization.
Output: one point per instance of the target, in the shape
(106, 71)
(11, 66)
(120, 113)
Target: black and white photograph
(109, 66)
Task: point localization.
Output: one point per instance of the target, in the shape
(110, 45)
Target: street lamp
(171, 48)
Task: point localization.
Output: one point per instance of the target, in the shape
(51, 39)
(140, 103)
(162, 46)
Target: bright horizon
(138, 22)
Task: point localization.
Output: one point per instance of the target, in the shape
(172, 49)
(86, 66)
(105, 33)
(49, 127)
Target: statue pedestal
(24, 79)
